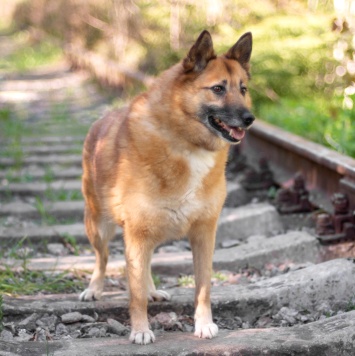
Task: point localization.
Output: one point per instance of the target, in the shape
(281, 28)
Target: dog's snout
(248, 118)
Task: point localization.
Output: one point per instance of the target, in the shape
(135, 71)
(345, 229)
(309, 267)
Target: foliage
(1, 312)
(23, 281)
(300, 62)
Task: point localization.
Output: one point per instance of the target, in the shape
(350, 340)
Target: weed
(156, 280)
(48, 175)
(63, 195)
(351, 305)
(1, 313)
(186, 281)
(15, 281)
(219, 276)
(46, 218)
(71, 243)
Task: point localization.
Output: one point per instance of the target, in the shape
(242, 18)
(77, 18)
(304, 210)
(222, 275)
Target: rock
(57, 249)
(94, 332)
(169, 249)
(286, 316)
(47, 322)
(115, 327)
(230, 243)
(6, 335)
(87, 319)
(30, 322)
(71, 318)
(61, 329)
(23, 335)
(167, 321)
(41, 334)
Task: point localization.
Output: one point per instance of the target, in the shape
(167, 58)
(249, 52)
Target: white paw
(90, 294)
(158, 295)
(142, 337)
(206, 331)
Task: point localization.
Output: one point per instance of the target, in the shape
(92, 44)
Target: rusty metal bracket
(295, 199)
(259, 179)
(339, 226)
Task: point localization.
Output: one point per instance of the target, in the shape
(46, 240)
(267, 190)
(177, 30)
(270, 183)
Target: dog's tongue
(236, 134)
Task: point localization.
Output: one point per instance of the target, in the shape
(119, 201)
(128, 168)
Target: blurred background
(303, 61)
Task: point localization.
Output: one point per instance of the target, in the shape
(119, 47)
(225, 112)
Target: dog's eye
(243, 89)
(218, 89)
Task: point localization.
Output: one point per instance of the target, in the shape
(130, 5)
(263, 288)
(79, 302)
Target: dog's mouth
(230, 133)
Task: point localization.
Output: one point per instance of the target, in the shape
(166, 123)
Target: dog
(157, 168)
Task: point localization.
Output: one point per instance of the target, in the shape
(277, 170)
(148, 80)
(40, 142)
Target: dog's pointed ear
(241, 51)
(200, 53)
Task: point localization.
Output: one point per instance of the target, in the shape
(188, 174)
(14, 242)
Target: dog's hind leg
(99, 233)
(202, 238)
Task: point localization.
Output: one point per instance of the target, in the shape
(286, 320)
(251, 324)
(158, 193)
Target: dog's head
(213, 91)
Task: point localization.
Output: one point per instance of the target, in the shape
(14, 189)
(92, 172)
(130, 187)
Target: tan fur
(157, 171)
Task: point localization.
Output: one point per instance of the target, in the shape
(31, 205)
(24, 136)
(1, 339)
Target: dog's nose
(248, 118)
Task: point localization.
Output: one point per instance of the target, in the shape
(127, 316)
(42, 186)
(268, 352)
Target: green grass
(1, 313)
(24, 281)
(63, 195)
(186, 281)
(27, 57)
(27, 282)
(71, 243)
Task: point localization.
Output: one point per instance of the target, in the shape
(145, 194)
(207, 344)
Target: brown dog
(157, 168)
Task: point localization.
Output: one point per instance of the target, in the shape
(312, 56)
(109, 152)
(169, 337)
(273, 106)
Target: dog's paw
(206, 331)
(90, 294)
(142, 337)
(158, 295)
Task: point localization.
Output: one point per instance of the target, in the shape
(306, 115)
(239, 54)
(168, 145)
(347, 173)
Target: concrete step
(52, 140)
(66, 160)
(236, 223)
(53, 149)
(37, 188)
(36, 172)
(61, 209)
(38, 234)
(297, 246)
(76, 208)
(328, 337)
(302, 290)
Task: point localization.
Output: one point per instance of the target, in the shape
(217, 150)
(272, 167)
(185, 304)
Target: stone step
(303, 290)
(327, 337)
(66, 160)
(236, 194)
(53, 149)
(237, 223)
(252, 219)
(36, 172)
(61, 209)
(38, 188)
(52, 140)
(296, 246)
(38, 234)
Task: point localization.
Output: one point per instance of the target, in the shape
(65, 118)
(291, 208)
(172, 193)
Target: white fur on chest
(188, 204)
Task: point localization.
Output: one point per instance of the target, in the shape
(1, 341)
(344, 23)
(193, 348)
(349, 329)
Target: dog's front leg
(202, 238)
(137, 258)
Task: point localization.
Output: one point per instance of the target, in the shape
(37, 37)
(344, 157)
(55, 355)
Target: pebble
(230, 243)
(71, 318)
(57, 249)
(61, 329)
(30, 322)
(47, 322)
(6, 335)
(87, 319)
(115, 327)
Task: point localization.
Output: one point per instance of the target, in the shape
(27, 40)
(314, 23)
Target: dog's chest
(191, 201)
